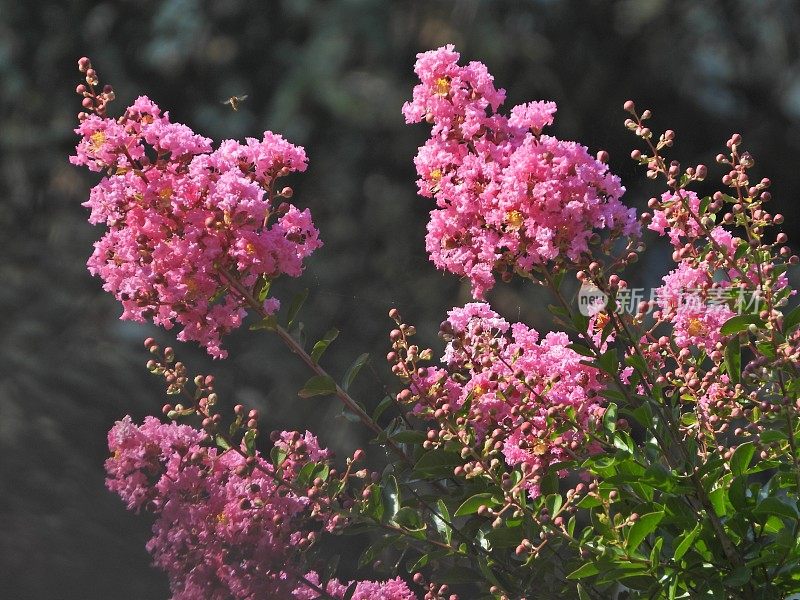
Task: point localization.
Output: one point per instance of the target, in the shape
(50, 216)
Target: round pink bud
(629, 106)
(84, 64)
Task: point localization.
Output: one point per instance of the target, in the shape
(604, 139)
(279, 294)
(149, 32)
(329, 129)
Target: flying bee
(234, 101)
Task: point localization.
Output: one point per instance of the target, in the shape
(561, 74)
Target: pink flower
(179, 224)
(219, 532)
(393, 589)
(696, 306)
(507, 198)
(517, 385)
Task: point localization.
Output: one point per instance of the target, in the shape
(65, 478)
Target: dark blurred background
(331, 76)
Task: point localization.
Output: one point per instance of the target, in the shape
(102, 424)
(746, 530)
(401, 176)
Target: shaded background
(331, 76)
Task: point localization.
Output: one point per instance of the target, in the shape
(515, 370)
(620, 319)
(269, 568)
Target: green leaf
(773, 506)
(583, 571)
(609, 362)
(717, 499)
(218, 294)
(305, 474)
(295, 306)
(582, 350)
(351, 589)
(553, 503)
(655, 553)
(322, 345)
(250, 441)
(278, 455)
(437, 463)
(419, 564)
(269, 323)
(646, 524)
(741, 458)
(741, 250)
(582, 593)
(610, 418)
(733, 360)
(352, 372)
(391, 496)
(470, 505)
(791, 320)
(408, 518)
(740, 323)
(686, 540)
(319, 385)
(738, 578)
(439, 517)
(381, 408)
(262, 288)
(222, 442)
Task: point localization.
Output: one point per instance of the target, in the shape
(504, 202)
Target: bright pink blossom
(219, 532)
(507, 197)
(181, 218)
(521, 388)
(392, 589)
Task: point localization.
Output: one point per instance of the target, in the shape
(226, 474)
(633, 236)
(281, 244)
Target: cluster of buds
(404, 356)
(655, 163)
(93, 101)
(434, 591)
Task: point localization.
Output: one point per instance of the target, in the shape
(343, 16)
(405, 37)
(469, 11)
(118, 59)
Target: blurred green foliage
(330, 75)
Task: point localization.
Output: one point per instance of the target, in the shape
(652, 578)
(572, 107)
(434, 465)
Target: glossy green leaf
(437, 463)
(685, 541)
(391, 497)
(319, 385)
(741, 458)
(295, 306)
(643, 527)
(441, 518)
(322, 345)
(610, 418)
(791, 320)
(733, 359)
(740, 323)
(470, 505)
(352, 372)
(584, 571)
(250, 441)
(269, 323)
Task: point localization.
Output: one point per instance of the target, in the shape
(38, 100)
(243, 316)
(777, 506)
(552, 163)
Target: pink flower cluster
(225, 528)
(532, 396)
(508, 197)
(180, 216)
(696, 305)
(393, 589)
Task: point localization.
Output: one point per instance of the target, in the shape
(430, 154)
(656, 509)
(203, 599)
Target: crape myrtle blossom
(178, 214)
(532, 395)
(393, 589)
(508, 198)
(224, 528)
(684, 300)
